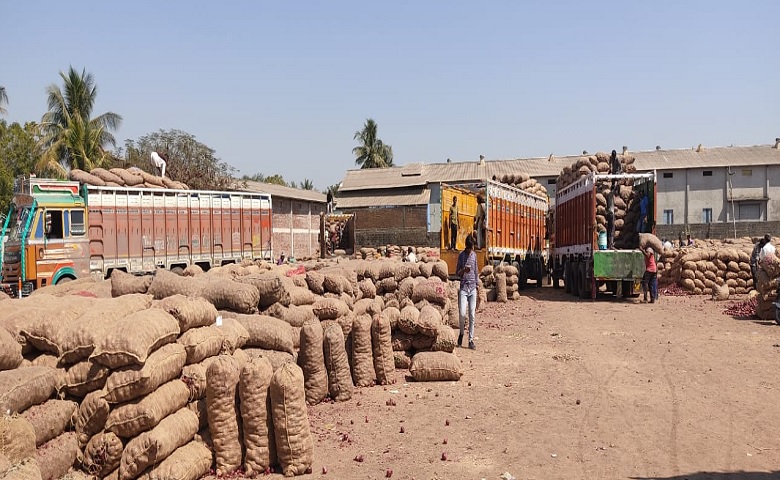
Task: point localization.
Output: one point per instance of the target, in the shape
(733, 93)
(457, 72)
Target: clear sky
(281, 87)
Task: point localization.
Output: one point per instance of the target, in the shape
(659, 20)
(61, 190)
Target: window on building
(747, 172)
(707, 173)
(550, 181)
(706, 215)
(749, 211)
(668, 175)
(668, 217)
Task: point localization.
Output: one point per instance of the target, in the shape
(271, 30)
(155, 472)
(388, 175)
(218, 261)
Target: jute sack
(401, 341)
(297, 315)
(107, 176)
(367, 288)
(329, 308)
(134, 337)
(312, 361)
(234, 335)
(440, 270)
(200, 343)
(393, 313)
(128, 420)
(270, 288)
(24, 387)
(292, 432)
(433, 291)
(192, 270)
(422, 342)
(190, 312)
(17, 439)
(435, 366)
(166, 284)
(50, 419)
(501, 290)
(129, 179)
(314, 280)
(301, 296)
(162, 366)
(10, 351)
(44, 360)
(102, 454)
(267, 332)
(426, 269)
(368, 305)
(126, 283)
(91, 417)
(84, 377)
(154, 446)
(407, 321)
(230, 295)
(24, 470)
(57, 456)
(363, 374)
(190, 462)
(79, 339)
(47, 335)
(277, 359)
(429, 321)
(257, 424)
(403, 360)
(199, 408)
(382, 346)
(194, 376)
(222, 379)
(445, 339)
(339, 378)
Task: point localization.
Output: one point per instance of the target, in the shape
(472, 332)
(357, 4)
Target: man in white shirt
(667, 244)
(410, 256)
(159, 160)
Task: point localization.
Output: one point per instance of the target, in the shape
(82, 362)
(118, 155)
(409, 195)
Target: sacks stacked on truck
(524, 182)
(119, 177)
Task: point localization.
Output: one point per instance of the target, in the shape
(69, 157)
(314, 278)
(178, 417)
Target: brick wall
(295, 230)
(719, 230)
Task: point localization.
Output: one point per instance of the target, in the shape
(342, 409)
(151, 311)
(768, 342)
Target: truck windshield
(16, 223)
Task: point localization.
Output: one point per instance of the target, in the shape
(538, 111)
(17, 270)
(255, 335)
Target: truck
(60, 230)
(579, 250)
(514, 227)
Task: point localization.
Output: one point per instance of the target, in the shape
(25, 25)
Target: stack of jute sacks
(524, 182)
(120, 177)
(155, 381)
(767, 284)
(500, 282)
(424, 254)
(626, 199)
(711, 267)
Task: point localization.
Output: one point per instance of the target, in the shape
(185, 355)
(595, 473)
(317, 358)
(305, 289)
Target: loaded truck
(59, 230)
(584, 254)
(514, 227)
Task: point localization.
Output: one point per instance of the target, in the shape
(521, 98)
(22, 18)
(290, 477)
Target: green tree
(3, 100)
(307, 184)
(189, 161)
(19, 153)
(372, 152)
(276, 179)
(71, 137)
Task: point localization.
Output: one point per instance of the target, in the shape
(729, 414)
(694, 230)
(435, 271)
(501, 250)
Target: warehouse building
(708, 192)
(296, 218)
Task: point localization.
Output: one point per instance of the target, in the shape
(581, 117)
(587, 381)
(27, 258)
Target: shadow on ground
(719, 476)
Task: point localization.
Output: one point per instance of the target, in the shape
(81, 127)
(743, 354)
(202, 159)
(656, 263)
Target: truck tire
(64, 280)
(178, 271)
(567, 280)
(539, 273)
(585, 290)
(574, 270)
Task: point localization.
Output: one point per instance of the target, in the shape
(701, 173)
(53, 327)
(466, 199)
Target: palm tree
(371, 153)
(307, 184)
(3, 101)
(71, 138)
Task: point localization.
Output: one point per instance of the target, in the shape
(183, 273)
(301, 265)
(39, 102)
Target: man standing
(755, 255)
(467, 295)
(650, 278)
(479, 221)
(329, 199)
(644, 205)
(454, 224)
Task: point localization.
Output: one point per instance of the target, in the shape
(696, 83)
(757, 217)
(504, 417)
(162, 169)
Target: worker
(754, 257)
(454, 224)
(650, 278)
(644, 205)
(410, 256)
(667, 244)
(160, 160)
(689, 240)
(614, 164)
(329, 199)
(479, 221)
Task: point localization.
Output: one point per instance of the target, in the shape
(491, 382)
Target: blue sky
(281, 87)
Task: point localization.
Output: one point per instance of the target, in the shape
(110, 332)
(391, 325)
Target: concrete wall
(719, 230)
(402, 225)
(296, 227)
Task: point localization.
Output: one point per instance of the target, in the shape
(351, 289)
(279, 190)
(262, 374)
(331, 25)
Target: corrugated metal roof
(394, 177)
(282, 191)
(383, 198)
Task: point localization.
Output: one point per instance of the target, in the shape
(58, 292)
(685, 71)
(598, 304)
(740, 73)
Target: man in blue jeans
(467, 296)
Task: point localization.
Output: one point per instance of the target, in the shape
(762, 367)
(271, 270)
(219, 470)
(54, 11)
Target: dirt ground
(560, 388)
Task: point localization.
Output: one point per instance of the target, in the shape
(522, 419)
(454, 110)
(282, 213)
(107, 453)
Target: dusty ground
(569, 389)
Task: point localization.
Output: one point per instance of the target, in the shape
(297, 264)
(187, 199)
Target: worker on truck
(480, 221)
(454, 224)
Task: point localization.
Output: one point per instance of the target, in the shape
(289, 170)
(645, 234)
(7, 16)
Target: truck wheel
(539, 273)
(584, 284)
(178, 271)
(64, 280)
(575, 278)
(567, 281)
(627, 289)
